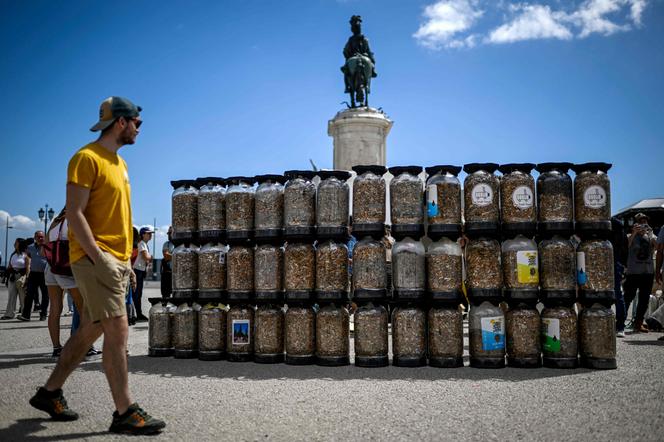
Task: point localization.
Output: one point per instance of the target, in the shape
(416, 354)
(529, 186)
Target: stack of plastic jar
(212, 271)
(486, 327)
(369, 270)
(520, 269)
(443, 199)
(484, 275)
(369, 205)
(184, 211)
(592, 198)
(406, 202)
(370, 335)
(597, 336)
(240, 334)
(332, 330)
(239, 209)
(185, 328)
(240, 273)
(185, 271)
(212, 331)
(557, 263)
(517, 196)
(300, 332)
(523, 329)
(160, 328)
(269, 336)
(559, 334)
(211, 209)
(332, 272)
(299, 205)
(332, 205)
(555, 200)
(481, 200)
(269, 208)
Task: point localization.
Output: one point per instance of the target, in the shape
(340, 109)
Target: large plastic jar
(185, 330)
(517, 198)
(369, 270)
(481, 199)
(523, 335)
(269, 337)
(409, 340)
(211, 209)
(370, 335)
(369, 201)
(557, 262)
(184, 215)
(240, 335)
(299, 271)
(486, 328)
(520, 268)
(160, 329)
(211, 271)
(445, 324)
(592, 197)
(299, 205)
(332, 271)
(269, 207)
(597, 337)
(332, 329)
(300, 326)
(239, 209)
(408, 270)
(555, 200)
(240, 273)
(268, 272)
(559, 336)
(443, 198)
(406, 202)
(185, 270)
(332, 204)
(212, 332)
(444, 270)
(484, 275)
(595, 271)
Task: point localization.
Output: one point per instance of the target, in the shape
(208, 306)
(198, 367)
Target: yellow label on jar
(527, 267)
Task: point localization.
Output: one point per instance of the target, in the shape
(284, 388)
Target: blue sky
(247, 87)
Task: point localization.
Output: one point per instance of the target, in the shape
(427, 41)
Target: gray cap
(113, 108)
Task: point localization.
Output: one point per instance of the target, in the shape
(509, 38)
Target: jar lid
(378, 170)
(476, 167)
(203, 181)
(341, 175)
(591, 167)
(154, 301)
(516, 167)
(548, 167)
(182, 183)
(234, 180)
(443, 168)
(292, 174)
(398, 170)
(269, 177)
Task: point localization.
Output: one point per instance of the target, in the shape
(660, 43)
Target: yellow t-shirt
(109, 207)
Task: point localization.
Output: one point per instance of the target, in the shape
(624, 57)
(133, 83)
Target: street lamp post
(6, 237)
(46, 215)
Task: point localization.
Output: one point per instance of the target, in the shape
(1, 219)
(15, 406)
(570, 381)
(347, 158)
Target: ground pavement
(246, 401)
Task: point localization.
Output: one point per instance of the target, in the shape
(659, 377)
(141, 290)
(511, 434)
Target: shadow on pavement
(654, 342)
(18, 360)
(170, 367)
(24, 429)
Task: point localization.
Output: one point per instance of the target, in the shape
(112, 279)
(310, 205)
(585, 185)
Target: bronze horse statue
(360, 65)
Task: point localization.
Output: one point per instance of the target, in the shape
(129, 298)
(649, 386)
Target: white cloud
(444, 20)
(20, 222)
(462, 23)
(534, 22)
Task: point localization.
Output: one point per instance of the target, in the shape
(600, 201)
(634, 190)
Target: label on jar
(527, 267)
(222, 258)
(522, 197)
(432, 200)
(581, 276)
(240, 332)
(482, 195)
(594, 197)
(551, 335)
(493, 333)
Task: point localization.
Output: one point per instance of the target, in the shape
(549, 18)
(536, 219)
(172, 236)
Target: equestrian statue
(360, 65)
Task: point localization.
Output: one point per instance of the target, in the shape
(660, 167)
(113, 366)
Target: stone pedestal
(359, 137)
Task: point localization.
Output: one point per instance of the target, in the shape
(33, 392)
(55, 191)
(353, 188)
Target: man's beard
(125, 137)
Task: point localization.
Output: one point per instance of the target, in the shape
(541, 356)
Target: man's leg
(30, 296)
(44, 298)
(138, 293)
(114, 360)
(55, 293)
(629, 290)
(644, 286)
(620, 299)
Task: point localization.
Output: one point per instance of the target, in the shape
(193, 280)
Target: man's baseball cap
(113, 108)
(146, 229)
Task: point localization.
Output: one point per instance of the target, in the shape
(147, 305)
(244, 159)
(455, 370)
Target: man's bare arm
(77, 201)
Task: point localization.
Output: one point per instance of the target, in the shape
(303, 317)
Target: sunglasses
(136, 121)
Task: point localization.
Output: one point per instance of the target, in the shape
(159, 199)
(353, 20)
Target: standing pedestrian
(166, 269)
(99, 216)
(620, 248)
(16, 277)
(143, 260)
(36, 281)
(640, 269)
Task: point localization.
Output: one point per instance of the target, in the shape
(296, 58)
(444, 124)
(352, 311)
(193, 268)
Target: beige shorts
(103, 286)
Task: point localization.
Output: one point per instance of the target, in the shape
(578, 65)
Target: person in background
(36, 282)
(131, 286)
(16, 277)
(659, 262)
(143, 260)
(166, 269)
(70, 304)
(640, 269)
(620, 247)
(99, 216)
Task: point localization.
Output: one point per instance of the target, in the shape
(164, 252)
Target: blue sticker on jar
(432, 200)
(493, 333)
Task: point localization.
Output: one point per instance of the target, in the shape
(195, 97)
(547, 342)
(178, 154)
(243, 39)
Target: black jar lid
(476, 167)
(398, 170)
(260, 179)
(202, 181)
(516, 167)
(548, 167)
(591, 167)
(154, 301)
(238, 179)
(306, 174)
(341, 175)
(443, 168)
(181, 183)
(378, 170)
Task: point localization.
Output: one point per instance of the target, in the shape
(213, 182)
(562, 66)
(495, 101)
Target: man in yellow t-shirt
(100, 244)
